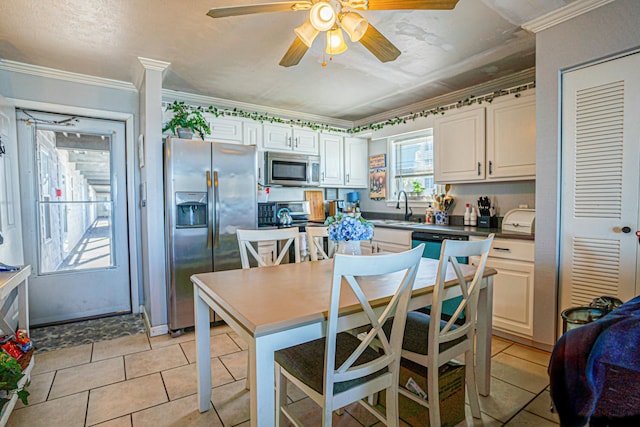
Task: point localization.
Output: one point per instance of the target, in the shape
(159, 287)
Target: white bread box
(519, 221)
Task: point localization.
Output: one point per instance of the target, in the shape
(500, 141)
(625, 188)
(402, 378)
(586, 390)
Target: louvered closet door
(600, 181)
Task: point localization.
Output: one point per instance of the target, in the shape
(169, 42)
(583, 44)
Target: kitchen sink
(392, 222)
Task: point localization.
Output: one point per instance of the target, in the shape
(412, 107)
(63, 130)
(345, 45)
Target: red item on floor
(12, 349)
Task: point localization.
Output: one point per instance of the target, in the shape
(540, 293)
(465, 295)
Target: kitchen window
(411, 165)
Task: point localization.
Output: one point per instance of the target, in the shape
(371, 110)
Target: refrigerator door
(188, 228)
(234, 200)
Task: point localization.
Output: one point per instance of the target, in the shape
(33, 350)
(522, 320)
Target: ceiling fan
(331, 17)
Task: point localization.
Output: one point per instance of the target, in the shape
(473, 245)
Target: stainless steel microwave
(296, 170)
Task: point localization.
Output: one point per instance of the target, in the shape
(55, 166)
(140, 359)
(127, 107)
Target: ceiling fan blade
(294, 54)
(410, 4)
(287, 6)
(379, 45)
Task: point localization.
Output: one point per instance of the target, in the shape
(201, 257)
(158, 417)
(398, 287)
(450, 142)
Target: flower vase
(349, 247)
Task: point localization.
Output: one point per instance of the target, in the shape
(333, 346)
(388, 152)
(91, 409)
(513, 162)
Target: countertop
(458, 230)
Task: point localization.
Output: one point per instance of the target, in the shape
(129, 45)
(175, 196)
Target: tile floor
(140, 381)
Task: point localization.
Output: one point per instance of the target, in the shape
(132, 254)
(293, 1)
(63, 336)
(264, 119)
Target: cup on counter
(442, 218)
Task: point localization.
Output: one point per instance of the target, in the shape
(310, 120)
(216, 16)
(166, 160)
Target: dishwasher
(432, 245)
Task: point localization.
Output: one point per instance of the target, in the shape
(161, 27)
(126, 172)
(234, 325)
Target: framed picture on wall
(377, 184)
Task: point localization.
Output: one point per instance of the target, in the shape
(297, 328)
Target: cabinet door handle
(347, 177)
(479, 164)
(490, 167)
(322, 176)
(289, 141)
(502, 249)
(297, 142)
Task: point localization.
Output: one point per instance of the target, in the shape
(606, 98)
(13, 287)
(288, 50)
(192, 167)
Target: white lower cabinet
(387, 240)
(268, 251)
(512, 286)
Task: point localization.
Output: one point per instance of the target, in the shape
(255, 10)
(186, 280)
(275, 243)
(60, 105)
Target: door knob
(626, 229)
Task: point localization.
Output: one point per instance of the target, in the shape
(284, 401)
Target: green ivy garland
(398, 120)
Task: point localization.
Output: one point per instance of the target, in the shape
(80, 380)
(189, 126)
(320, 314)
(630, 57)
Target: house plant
(10, 376)
(348, 230)
(186, 121)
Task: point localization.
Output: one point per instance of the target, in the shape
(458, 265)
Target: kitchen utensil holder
(488, 222)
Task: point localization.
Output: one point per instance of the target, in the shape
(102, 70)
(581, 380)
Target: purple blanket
(578, 364)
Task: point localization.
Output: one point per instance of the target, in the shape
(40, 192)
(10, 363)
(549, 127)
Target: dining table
(276, 307)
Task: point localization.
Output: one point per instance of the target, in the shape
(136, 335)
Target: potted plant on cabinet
(418, 188)
(186, 121)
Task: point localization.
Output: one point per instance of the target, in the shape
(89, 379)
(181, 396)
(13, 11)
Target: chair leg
(247, 384)
(327, 415)
(472, 388)
(433, 393)
(281, 397)
(391, 405)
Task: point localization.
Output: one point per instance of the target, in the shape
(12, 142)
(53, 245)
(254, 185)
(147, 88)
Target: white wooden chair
(247, 237)
(434, 343)
(341, 369)
(315, 237)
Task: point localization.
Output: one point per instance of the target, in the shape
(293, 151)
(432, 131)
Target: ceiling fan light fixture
(335, 42)
(354, 25)
(307, 33)
(322, 16)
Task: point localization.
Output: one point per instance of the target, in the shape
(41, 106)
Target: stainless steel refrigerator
(210, 191)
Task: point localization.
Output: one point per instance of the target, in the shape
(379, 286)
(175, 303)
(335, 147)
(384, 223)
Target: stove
(269, 214)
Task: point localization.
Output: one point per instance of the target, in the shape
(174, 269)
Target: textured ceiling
(237, 58)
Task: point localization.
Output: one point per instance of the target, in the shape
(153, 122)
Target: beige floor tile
(528, 353)
(182, 412)
(236, 363)
(122, 398)
(85, 377)
(68, 411)
(484, 421)
(239, 341)
(118, 422)
(527, 419)
(504, 401)
(541, 406)
(244, 424)
(498, 345)
(361, 414)
(310, 414)
(38, 389)
(165, 340)
(182, 381)
(222, 328)
(522, 373)
(62, 358)
(148, 362)
(120, 346)
(231, 402)
(220, 344)
(294, 393)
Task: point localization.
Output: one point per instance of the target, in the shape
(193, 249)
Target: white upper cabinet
(356, 162)
(277, 137)
(459, 146)
(225, 129)
(511, 137)
(508, 153)
(252, 132)
(331, 160)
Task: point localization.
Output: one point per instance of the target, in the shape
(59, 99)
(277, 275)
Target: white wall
(10, 212)
(601, 33)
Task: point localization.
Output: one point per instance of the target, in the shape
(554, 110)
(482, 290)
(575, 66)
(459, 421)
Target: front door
(73, 182)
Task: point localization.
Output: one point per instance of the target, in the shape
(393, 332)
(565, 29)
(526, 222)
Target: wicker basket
(25, 359)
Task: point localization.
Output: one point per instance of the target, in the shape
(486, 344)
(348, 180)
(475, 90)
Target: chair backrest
(246, 237)
(451, 250)
(315, 237)
(352, 269)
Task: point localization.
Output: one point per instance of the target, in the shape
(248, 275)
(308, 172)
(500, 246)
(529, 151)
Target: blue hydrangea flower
(343, 228)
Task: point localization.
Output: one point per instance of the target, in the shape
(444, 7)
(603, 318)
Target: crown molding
(563, 14)
(171, 95)
(51, 73)
(153, 64)
(511, 80)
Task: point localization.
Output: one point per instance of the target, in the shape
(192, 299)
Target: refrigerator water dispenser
(191, 210)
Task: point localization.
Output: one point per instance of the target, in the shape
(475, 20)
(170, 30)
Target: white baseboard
(153, 331)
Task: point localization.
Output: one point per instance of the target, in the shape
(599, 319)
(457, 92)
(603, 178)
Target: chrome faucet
(407, 210)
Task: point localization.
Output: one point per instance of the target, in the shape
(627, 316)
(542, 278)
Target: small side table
(8, 282)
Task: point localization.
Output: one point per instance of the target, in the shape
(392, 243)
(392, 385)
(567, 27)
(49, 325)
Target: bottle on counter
(473, 217)
(428, 215)
(467, 214)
